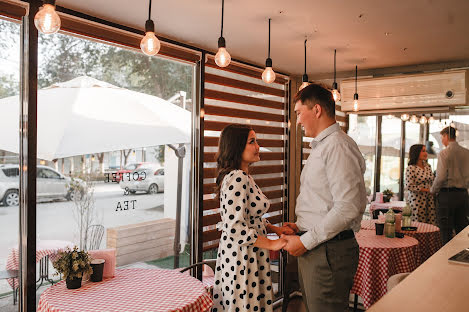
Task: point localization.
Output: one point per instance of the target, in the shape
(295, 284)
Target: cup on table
(379, 197)
(379, 227)
(98, 267)
(398, 219)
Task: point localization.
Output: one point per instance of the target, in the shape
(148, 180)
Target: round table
(130, 290)
(381, 257)
(428, 236)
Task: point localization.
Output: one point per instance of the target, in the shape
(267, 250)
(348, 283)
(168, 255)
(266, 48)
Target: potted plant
(73, 264)
(387, 195)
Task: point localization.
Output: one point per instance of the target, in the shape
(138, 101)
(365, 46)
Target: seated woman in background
(418, 180)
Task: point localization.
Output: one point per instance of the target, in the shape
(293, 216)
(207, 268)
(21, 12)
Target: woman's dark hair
(414, 153)
(231, 146)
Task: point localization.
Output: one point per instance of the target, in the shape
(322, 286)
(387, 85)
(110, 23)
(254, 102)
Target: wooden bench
(144, 241)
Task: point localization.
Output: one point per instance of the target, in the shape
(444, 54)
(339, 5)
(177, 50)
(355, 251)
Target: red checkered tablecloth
(428, 236)
(381, 257)
(130, 290)
(43, 248)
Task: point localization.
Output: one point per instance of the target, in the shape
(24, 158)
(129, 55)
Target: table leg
(44, 271)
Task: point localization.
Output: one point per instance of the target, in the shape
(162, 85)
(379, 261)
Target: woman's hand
(277, 244)
(282, 230)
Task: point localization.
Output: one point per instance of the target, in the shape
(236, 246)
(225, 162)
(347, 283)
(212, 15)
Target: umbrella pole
(180, 153)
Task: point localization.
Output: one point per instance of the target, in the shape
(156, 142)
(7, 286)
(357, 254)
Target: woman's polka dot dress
(422, 203)
(242, 276)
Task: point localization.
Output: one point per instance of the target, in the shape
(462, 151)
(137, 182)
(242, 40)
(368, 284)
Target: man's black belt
(453, 189)
(347, 234)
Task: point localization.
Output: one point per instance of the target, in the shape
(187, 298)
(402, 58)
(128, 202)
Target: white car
(146, 179)
(50, 184)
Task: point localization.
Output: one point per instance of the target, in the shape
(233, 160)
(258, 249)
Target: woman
(418, 180)
(242, 277)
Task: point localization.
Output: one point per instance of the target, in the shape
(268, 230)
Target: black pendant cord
(268, 51)
(356, 75)
(222, 14)
(305, 55)
(335, 52)
(149, 10)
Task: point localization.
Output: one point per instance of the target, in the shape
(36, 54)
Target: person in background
(418, 180)
(451, 184)
(330, 205)
(242, 276)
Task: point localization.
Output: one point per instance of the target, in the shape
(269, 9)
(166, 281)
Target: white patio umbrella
(86, 116)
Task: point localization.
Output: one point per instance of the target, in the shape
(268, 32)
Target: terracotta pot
(73, 283)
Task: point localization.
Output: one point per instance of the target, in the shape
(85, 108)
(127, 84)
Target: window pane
(390, 155)
(412, 136)
(9, 158)
(105, 117)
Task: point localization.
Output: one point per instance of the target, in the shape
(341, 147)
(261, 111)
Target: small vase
(387, 199)
(73, 283)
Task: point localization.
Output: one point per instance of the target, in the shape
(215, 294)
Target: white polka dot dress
(422, 203)
(242, 276)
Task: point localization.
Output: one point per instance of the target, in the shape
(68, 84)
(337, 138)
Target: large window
(109, 120)
(9, 156)
(390, 154)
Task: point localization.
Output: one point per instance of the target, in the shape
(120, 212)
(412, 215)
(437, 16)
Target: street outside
(56, 221)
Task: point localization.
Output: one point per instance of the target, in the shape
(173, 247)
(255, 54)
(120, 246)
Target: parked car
(146, 179)
(127, 169)
(50, 184)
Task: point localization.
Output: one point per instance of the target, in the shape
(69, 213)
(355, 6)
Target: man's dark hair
(317, 94)
(449, 131)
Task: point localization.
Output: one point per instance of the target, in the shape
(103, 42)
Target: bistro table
(428, 236)
(45, 249)
(130, 290)
(375, 207)
(381, 257)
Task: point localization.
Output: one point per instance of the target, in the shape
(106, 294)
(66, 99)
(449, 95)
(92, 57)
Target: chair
(395, 279)
(10, 274)
(95, 236)
(208, 282)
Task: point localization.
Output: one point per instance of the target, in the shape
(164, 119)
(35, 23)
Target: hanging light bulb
(47, 20)
(452, 124)
(423, 120)
(414, 119)
(305, 76)
(222, 58)
(405, 117)
(335, 92)
(356, 105)
(431, 120)
(268, 75)
(150, 45)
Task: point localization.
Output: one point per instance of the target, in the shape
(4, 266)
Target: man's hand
(294, 245)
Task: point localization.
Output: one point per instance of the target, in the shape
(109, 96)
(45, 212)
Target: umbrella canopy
(86, 116)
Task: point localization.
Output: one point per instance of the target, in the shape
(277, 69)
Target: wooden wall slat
(240, 113)
(275, 219)
(234, 83)
(210, 246)
(210, 157)
(219, 125)
(239, 69)
(241, 99)
(212, 172)
(213, 141)
(215, 218)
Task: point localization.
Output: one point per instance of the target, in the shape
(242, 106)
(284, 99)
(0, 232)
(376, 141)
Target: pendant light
(305, 76)
(222, 58)
(414, 119)
(268, 76)
(423, 120)
(405, 117)
(47, 20)
(356, 105)
(150, 45)
(431, 120)
(335, 92)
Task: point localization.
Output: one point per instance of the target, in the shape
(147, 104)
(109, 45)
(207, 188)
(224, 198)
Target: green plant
(387, 193)
(73, 263)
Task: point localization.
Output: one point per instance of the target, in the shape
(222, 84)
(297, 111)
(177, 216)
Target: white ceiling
(420, 31)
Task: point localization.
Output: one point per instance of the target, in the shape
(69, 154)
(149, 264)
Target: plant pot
(387, 199)
(73, 283)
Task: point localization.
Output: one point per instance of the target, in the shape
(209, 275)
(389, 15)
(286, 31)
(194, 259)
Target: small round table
(381, 257)
(428, 236)
(130, 290)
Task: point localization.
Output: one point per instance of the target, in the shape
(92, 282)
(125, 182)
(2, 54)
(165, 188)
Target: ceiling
(368, 33)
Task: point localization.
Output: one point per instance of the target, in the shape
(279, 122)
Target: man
(451, 183)
(329, 207)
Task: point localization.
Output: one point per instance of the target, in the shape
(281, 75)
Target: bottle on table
(407, 216)
(389, 226)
